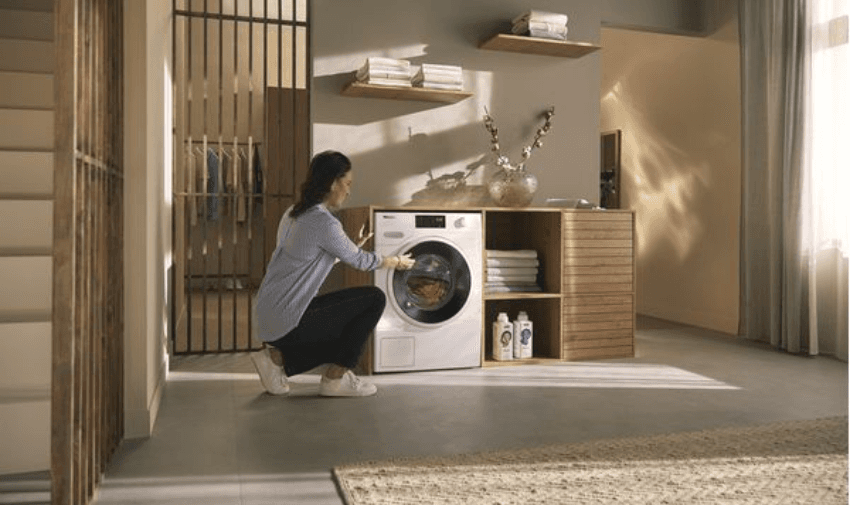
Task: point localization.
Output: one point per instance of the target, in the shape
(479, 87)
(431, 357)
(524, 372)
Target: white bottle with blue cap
(523, 334)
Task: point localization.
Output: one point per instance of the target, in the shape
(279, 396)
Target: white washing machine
(434, 310)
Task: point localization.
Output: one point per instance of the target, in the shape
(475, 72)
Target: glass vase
(512, 188)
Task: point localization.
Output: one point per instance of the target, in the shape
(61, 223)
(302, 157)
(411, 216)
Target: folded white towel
(439, 85)
(545, 34)
(384, 73)
(512, 262)
(525, 27)
(520, 253)
(511, 271)
(492, 284)
(428, 81)
(546, 17)
(377, 61)
(444, 78)
(513, 289)
(432, 67)
(386, 82)
(511, 278)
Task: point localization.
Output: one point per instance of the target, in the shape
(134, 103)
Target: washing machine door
(437, 287)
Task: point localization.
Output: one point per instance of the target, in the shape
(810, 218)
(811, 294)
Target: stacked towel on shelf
(433, 76)
(385, 72)
(547, 25)
(512, 271)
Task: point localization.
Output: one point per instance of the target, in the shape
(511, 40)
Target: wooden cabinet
(586, 309)
(598, 285)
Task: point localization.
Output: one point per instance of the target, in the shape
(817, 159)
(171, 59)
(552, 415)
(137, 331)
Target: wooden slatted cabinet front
(598, 285)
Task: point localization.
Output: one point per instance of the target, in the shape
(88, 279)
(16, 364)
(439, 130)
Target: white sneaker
(271, 376)
(347, 385)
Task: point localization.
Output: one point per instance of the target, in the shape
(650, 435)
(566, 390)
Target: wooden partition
(242, 148)
(88, 281)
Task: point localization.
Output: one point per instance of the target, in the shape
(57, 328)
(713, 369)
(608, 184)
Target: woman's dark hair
(325, 168)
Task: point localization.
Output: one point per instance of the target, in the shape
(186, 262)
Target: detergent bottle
(523, 334)
(503, 337)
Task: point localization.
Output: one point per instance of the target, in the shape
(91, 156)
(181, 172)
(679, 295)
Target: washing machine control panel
(395, 228)
(430, 221)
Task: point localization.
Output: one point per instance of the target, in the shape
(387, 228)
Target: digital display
(430, 221)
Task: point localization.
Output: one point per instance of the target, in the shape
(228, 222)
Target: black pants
(332, 330)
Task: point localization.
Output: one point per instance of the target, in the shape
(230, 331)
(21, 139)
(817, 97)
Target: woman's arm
(337, 243)
(332, 239)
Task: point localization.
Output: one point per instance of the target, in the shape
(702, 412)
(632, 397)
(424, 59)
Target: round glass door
(437, 286)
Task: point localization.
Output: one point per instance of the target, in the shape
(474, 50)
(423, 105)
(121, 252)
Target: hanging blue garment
(258, 171)
(212, 185)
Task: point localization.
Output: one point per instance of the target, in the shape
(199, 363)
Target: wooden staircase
(26, 233)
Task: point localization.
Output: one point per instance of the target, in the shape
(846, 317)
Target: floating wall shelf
(358, 89)
(534, 45)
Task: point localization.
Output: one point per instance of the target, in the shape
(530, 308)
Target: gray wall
(397, 147)
(669, 16)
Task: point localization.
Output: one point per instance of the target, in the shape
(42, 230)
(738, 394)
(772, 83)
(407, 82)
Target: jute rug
(801, 462)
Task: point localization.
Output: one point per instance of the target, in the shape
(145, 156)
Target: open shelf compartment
(537, 230)
(544, 314)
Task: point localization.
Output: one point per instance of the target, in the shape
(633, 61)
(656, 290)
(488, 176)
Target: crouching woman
(303, 330)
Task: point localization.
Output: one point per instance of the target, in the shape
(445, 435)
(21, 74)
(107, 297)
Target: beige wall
(397, 146)
(677, 101)
(147, 200)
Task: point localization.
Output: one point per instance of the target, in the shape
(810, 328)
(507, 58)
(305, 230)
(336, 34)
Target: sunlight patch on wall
(408, 128)
(349, 63)
(448, 184)
(448, 178)
(663, 182)
(168, 140)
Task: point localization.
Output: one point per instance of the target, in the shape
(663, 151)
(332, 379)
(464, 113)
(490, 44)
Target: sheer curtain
(826, 227)
(794, 240)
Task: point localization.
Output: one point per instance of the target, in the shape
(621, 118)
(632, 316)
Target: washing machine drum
(438, 285)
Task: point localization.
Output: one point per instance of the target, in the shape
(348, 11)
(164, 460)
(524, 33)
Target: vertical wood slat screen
(88, 281)
(241, 148)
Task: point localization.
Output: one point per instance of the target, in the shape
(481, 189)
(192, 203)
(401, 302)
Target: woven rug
(801, 462)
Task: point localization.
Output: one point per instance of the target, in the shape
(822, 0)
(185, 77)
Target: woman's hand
(363, 237)
(402, 262)
(405, 262)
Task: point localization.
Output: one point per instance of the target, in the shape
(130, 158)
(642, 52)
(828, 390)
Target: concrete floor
(220, 440)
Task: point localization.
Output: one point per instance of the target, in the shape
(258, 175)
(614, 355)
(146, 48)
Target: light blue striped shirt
(307, 248)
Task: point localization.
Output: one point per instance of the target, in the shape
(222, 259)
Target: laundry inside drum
(429, 282)
(428, 293)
